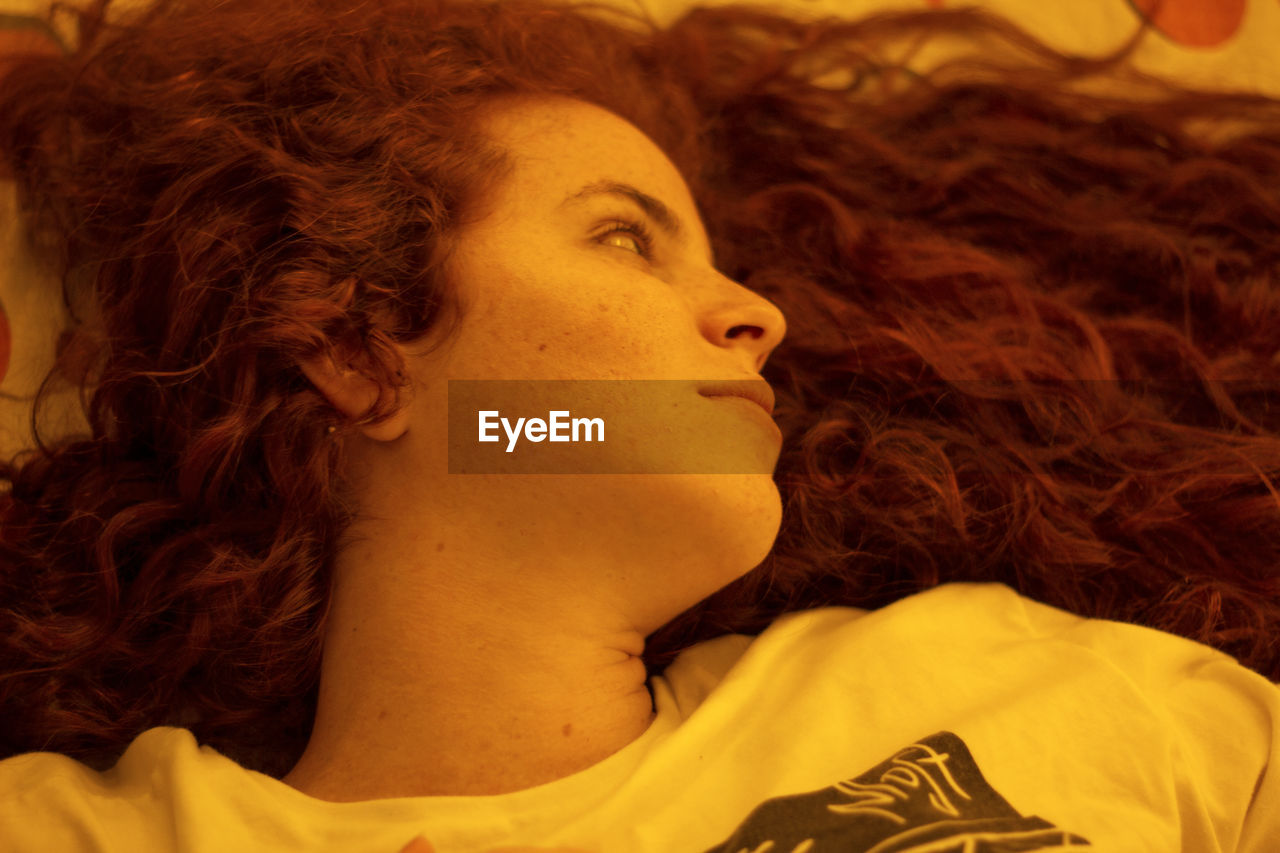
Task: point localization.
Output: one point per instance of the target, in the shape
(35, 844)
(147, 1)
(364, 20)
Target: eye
(640, 236)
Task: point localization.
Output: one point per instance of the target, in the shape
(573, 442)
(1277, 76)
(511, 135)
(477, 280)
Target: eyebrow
(665, 217)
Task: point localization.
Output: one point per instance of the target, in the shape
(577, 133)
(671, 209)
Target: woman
(289, 230)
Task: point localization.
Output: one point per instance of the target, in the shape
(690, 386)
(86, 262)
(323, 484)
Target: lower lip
(758, 411)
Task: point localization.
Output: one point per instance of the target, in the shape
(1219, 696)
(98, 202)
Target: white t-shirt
(966, 714)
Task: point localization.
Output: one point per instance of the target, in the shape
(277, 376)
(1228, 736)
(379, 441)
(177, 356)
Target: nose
(742, 319)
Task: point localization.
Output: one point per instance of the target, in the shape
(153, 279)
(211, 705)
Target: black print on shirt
(929, 796)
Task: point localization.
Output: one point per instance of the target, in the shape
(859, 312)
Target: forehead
(559, 145)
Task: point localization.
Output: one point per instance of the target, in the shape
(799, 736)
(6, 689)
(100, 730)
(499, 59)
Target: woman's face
(575, 273)
(591, 262)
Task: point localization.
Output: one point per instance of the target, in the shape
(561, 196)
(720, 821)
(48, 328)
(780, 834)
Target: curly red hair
(1033, 326)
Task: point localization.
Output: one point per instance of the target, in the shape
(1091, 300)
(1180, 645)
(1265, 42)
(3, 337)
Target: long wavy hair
(1034, 323)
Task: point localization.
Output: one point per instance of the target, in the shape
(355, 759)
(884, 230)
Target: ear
(353, 393)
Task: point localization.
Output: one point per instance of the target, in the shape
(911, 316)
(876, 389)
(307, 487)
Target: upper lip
(756, 390)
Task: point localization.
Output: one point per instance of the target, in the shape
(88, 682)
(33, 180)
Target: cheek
(589, 335)
(617, 341)
(585, 321)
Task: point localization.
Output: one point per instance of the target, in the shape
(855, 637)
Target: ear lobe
(354, 393)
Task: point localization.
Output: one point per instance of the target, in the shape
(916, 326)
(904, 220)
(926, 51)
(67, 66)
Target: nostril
(757, 332)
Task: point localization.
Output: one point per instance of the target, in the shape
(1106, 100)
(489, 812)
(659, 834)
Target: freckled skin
(513, 656)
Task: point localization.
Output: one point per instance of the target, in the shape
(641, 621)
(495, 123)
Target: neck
(464, 686)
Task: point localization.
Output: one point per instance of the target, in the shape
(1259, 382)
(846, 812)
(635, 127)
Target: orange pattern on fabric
(1194, 23)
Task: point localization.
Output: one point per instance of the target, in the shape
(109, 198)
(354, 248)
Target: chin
(726, 522)
(705, 532)
(764, 521)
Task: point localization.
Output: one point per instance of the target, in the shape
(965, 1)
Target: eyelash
(643, 236)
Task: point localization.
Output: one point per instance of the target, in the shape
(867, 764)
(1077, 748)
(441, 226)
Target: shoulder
(50, 801)
(55, 775)
(968, 630)
(976, 613)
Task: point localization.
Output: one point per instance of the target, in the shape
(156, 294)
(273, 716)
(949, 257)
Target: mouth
(756, 390)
